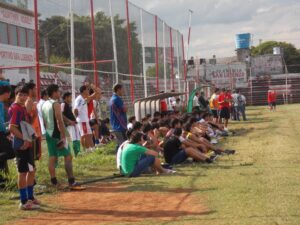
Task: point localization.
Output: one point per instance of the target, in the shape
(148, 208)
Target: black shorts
(25, 160)
(224, 113)
(272, 104)
(215, 113)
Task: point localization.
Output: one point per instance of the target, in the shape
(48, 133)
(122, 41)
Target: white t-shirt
(182, 139)
(129, 126)
(170, 102)
(81, 106)
(40, 114)
(119, 154)
(235, 99)
(195, 101)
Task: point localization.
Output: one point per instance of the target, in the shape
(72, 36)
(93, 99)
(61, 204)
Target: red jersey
(271, 97)
(163, 106)
(226, 99)
(90, 108)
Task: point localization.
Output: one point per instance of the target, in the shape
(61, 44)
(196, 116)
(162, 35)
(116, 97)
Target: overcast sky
(215, 22)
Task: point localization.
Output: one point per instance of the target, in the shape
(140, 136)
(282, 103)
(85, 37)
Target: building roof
(16, 9)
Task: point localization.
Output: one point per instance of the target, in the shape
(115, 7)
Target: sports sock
(54, 181)
(23, 195)
(71, 180)
(30, 192)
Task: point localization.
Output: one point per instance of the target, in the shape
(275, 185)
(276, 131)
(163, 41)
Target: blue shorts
(142, 165)
(179, 158)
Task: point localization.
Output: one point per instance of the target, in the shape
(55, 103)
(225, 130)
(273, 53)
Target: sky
(215, 22)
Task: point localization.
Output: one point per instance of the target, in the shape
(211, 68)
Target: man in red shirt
(224, 106)
(272, 100)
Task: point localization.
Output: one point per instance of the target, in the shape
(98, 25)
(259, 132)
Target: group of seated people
(175, 137)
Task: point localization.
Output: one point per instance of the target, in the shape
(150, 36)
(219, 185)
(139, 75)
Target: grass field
(258, 185)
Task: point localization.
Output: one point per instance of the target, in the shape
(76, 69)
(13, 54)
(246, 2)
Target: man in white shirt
(82, 118)
(235, 99)
(242, 106)
(44, 98)
(196, 100)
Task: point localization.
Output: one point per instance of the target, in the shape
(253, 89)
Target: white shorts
(84, 128)
(74, 133)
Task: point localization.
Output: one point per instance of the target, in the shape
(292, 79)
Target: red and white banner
(15, 18)
(223, 76)
(16, 56)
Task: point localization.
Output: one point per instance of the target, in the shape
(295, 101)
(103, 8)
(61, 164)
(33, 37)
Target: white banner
(16, 56)
(18, 19)
(233, 75)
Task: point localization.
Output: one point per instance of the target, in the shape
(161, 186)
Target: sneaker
(226, 129)
(28, 206)
(36, 202)
(168, 171)
(213, 157)
(229, 152)
(76, 187)
(214, 141)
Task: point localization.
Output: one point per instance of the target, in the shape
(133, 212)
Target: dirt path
(106, 204)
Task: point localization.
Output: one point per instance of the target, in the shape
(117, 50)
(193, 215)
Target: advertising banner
(225, 76)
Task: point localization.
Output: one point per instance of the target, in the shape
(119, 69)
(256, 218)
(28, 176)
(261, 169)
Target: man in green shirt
(136, 159)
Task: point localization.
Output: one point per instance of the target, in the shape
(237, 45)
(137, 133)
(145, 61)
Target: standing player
(224, 107)
(272, 100)
(82, 117)
(70, 121)
(44, 98)
(56, 137)
(23, 149)
(118, 117)
(31, 107)
(214, 104)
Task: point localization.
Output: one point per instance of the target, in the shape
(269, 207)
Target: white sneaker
(29, 205)
(226, 129)
(214, 141)
(168, 171)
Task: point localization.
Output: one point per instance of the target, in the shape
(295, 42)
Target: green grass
(258, 185)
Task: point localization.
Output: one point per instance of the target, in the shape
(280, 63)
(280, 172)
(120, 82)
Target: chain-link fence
(71, 42)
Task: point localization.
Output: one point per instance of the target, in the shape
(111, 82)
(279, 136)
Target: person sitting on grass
(195, 138)
(176, 153)
(136, 159)
(131, 122)
(104, 131)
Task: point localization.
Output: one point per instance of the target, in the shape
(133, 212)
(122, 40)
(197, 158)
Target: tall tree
(290, 53)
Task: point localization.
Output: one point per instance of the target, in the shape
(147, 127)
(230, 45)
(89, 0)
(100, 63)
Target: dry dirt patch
(109, 203)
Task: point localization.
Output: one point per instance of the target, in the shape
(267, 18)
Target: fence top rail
(160, 96)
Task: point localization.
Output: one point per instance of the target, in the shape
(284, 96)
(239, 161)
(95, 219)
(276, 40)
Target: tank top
(50, 119)
(67, 112)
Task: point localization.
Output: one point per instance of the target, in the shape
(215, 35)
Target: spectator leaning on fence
(118, 117)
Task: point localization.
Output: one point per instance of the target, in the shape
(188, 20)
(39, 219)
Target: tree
(290, 53)
(56, 30)
(151, 71)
